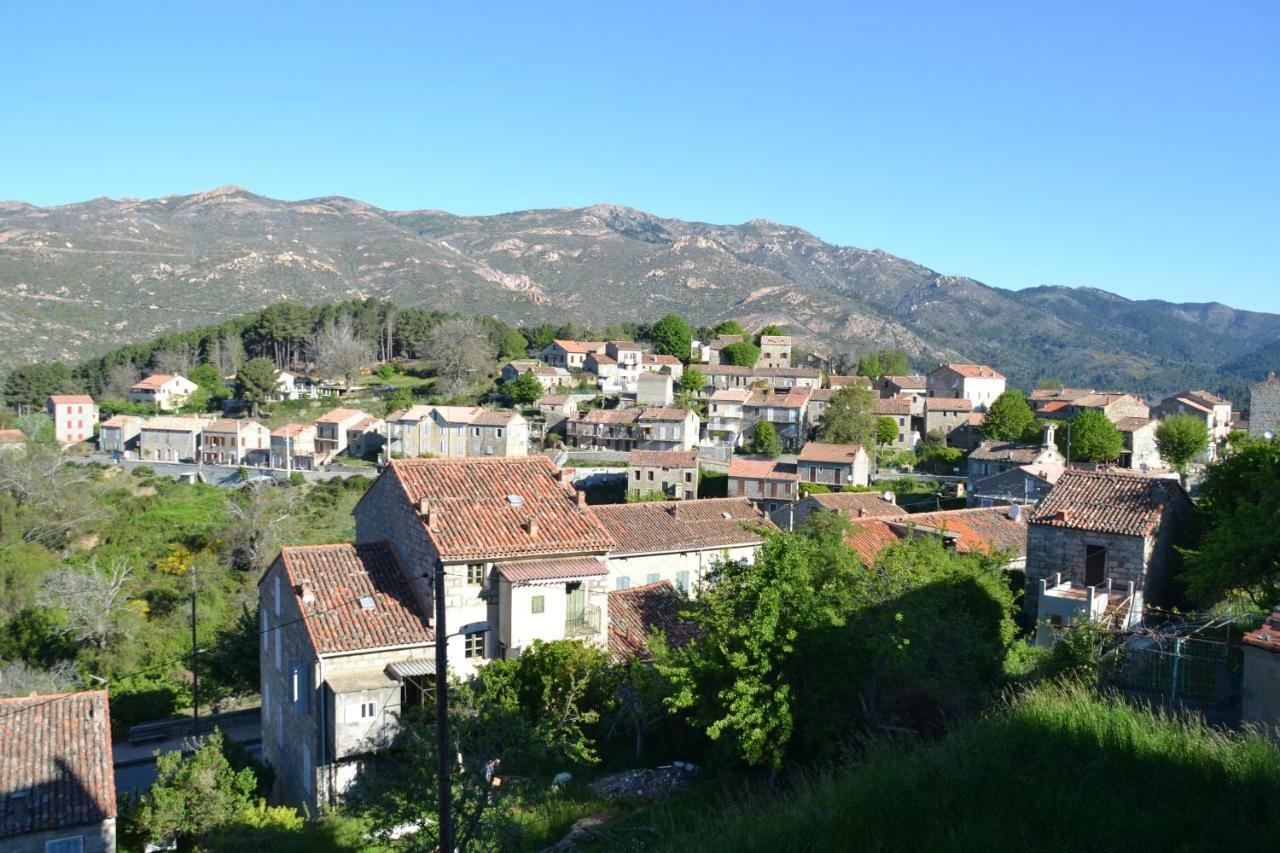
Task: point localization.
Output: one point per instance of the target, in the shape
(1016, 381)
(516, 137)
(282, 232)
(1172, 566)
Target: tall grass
(1056, 768)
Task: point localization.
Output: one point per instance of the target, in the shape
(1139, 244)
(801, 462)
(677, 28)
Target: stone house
(119, 434)
(900, 411)
(992, 457)
(659, 363)
(293, 447)
(638, 612)
(235, 442)
(170, 439)
(498, 432)
(727, 376)
(556, 409)
(57, 777)
(1041, 397)
(1101, 546)
(1208, 407)
(366, 437)
(949, 417)
(819, 398)
(1260, 690)
(718, 344)
(775, 351)
(785, 378)
(447, 429)
(849, 504)
(74, 417)
(604, 367)
(1264, 407)
(1140, 452)
(893, 386)
(667, 428)
(331, 430)
(977, 383)
(767, 483)
(655, 389)
(679, 542)
(723, 427)
(986, 530)
(162, 391)
(1113, 404)
(835, 465)
(569, 354)
(786, 411)
(604, 429)
(670, 473)
(550, 378)
(1024, 485)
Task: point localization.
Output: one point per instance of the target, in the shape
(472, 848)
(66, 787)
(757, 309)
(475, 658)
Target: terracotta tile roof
(980, 529)
(1054, 406)
(663, 459)
(837, 381)
(656, 528)
(973, 371)
(947, 404)
(456, 414)
(636, 613)
(292, 430)
(727, 370)
(367, 424)
(480, 506)
(1205, 398)
(583, 347)
(71, 398)
(775, 340)
(663, 414)
(832, 454)
(1267, 636)
(601, 358)
(660, 358)
(337, 416)
(910, 381)
(853, 503)
(227, 425)
(1101, 400)
(172, 423)
(563, 568)
(626, 345)
(822, 395)
(794, 398)
(1107, 502)
(796, 372)
(731, 395)
(1059, 394)
(1005, 451)
(156, 380)
(762, 469)
(413, 414)
(13, 436)
(339, 576)
(893, 406)
(121, 420)
(725, 340)
(494, 417)
(1132, 424)
(55, 763)
(611, 416)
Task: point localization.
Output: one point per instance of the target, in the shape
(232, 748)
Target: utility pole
(195, 674)
(443, 764)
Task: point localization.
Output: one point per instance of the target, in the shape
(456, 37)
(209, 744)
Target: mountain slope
(78, 278)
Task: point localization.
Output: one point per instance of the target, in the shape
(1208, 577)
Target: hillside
(79, 278)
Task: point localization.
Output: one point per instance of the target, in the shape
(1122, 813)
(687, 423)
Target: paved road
(135, 766)
(226, 475)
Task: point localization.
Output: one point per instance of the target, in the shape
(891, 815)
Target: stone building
(170, 439)
(775, 351)
(768, 483)
(1264, 407)
(74, 417)
(57, 781)
(119, 434)
(977, 383)
(1140, 452)
(235, 442)
(1260, 699)
(1101, 546)
(293, 446)
(950, 418)
(1205, 406)
(670, 473)
(835, 465)
(849, 504)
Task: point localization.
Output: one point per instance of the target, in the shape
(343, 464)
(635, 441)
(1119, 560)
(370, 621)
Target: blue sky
(1130, 146)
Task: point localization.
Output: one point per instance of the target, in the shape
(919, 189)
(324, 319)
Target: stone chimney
(582, 499)
(862, 512)
(306, 593)
(531, 527)
(565, 477)
(424, 506)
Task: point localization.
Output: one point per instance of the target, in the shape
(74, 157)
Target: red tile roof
(339, 576)
(663, 459)
(1060, 393)
(775, 340)
(660, 358)
(1128, 504)
(947, 404)
(655, 528)
(494, 417)
(762, 469)
(1132, 424)
(636, 613)
(980, 529)
(582, 347)
(973, 371)
(730, 395)
(793, 398)
(837, 381)
(909, 381)
(563, 568)
(337, 416)
(55, 762)
(1005, 451)
(71, 398)
(291, 430)
(611, 416)
(852, 503)
(796, 372)
(893, 406)
(832, 454)
(156, 380)
(480, 506)
(664, 414)
(1054, 406)
(121, 420)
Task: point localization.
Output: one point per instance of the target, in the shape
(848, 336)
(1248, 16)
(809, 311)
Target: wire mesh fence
(1181, 670)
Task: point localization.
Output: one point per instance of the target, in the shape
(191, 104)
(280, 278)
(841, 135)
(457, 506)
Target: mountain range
(80, 278)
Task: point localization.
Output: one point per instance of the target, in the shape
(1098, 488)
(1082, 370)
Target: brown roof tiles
(636, 613)
(653, 528)
(1107, 502)
(663, 459)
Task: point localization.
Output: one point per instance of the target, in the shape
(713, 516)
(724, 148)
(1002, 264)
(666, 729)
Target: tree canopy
(1181, 438)
(741, 354)
(671, 336)
(765, 440)
(256, 381)
(849, 417)
(886, 430)
(524, 389)
(1009, 417)
(1091, 438)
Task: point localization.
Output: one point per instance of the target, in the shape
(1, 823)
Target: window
(688, 476)
(652, 577)
(682, 582)
(624, 582)
(368, 710)
(539, 603)
(650, 475)
(498, 432)
(475, 431)
(299, 686)
(277, 633)
(475, 573)
(70, 844)
(473, 644)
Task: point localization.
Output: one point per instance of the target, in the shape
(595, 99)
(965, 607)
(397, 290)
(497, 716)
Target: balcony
(584, 624)
(1064, 602)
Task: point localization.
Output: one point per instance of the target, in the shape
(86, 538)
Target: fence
(1190, 672)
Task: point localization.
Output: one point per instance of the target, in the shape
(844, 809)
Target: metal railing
(583, 624)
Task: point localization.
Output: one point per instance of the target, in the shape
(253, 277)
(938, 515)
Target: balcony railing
(1065, 602)
(583, 624)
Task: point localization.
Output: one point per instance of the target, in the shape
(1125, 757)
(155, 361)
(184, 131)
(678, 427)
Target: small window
(652, 577)
(539, 604)
(71, 844)
(688, 476)
(499, 432)
(473, 644)
(475, 573)
(624, 582)
(368, 710)
(475, 431)
(682, 582)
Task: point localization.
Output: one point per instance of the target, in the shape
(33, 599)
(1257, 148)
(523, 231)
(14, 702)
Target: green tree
(692, 381)
(729, 327)
(886, 431)
(765, 440)
(210, 387)
(194, 794)
(894, 362)
(869, 366)
(1181, 438)
(398, 400)
(770, 329)
(256, 381)
(671, 336)
(741, 354)
(849, 417)
(513, 345)
(31, 384)
(1093, 438)
(1238, 550)
(1008, 418)
(524, 389)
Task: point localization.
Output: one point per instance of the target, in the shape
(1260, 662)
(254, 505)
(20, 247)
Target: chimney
(531, 527)
(862, 511)
(305, 592)
(424, 506)
(564, 477)
(582, 499)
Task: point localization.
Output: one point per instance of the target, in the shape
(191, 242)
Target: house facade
(655, 389)
(785, 411)
(670, 473)
(331, 430)
(569, 354)
(293, 447)
(899, 410)
(1208, 407)
(1140, 452)
(235, 442)
(767, 483)
(163, 392)
(667, 428)
(724, 425)
(950, 418)
(977, 383)
(119, 434)
(849, 504)
(1101, 546)
(1264, 407)
(170, 439)
(498, 432)
(835, 465)
(57, 778)
(775, 351)
(993, 457)
(74, 417)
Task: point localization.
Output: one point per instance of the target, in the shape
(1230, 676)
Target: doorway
(1095, 564)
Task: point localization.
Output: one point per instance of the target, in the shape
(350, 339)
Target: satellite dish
(888, 495)
(1015, 512)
